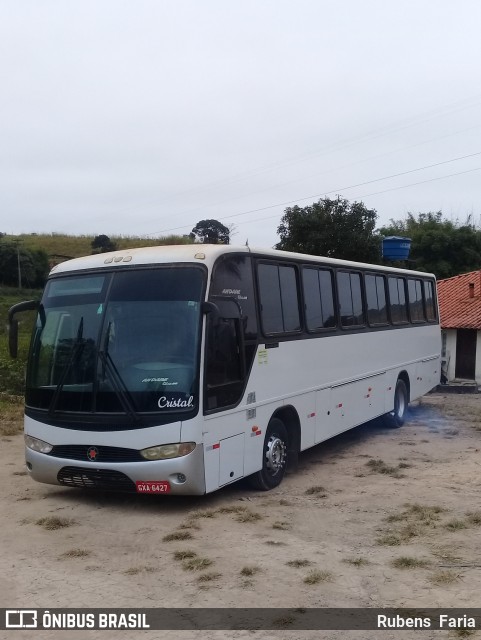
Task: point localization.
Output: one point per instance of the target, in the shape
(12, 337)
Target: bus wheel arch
(289, 416)
(281, 445)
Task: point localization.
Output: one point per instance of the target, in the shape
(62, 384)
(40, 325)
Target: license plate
(159, 486)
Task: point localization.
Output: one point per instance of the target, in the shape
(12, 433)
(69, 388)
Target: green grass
(78, 246)
(12, 371)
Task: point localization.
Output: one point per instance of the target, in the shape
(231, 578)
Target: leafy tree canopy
(102, 244)
(440, 246)
(34, 266)
(211, 232)
(333, 228)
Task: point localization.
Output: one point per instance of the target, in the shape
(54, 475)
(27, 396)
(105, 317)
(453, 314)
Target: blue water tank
(396, 248)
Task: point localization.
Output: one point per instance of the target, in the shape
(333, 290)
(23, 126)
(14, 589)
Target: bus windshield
(123, 342)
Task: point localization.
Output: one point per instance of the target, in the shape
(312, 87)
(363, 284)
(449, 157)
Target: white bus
(183, 369)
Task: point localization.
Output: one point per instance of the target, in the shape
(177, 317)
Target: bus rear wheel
(274, 457)
(397, 416)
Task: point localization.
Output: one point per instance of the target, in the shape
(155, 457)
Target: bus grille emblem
(92, 453)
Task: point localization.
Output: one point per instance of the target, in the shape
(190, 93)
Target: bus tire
(397, 416)
(274, 457)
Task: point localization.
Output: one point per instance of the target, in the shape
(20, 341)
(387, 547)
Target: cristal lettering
(172, 403)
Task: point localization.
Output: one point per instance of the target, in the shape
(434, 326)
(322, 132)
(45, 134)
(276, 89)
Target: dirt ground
(376, 517)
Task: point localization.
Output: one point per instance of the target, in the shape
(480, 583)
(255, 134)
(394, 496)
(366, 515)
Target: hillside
(58, 244)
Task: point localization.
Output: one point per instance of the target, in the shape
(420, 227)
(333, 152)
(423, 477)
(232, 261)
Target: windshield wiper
(77, 349)
(116, 379)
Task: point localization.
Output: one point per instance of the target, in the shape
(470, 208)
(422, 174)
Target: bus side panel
(305, 406)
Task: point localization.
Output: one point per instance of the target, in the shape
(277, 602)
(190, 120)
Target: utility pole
(18, 265)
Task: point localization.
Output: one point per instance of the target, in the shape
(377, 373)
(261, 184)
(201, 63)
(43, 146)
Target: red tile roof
(457, 308)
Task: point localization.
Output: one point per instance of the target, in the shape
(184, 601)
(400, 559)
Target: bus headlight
(166, 451)
(38, 445)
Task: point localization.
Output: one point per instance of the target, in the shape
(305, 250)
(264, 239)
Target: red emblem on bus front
(92, 453)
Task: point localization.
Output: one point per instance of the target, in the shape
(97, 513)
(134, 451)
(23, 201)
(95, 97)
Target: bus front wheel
(397, 416)
(274, 457)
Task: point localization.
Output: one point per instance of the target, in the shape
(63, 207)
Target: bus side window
(429, 300)
(350, 298)
(397, 300)
(376, 299)
(279, 298)
(318, 298)
(416, 310)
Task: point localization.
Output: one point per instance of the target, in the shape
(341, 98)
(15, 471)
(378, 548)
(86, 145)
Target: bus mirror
(227, 308)
(13, 338)
(210, 308)
(29, 305)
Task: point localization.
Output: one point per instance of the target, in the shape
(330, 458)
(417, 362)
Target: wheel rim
(275, 454)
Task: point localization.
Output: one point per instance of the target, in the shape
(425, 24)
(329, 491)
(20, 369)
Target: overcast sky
(143, 117)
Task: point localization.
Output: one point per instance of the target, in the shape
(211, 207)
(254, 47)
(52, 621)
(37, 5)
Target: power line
(367, 195)
(337, 190)
(395, 127)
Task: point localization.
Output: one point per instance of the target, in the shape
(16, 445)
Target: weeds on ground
(444, 577)
(177, 535)
(379, 466)
(11, 410)
(248, 516)
(357, 562)
(196, 563)
(455, 524)
(249, 571)
(298, 563)
(316, 576)
(416, 518)
(282, 526)
(474, 517)
(184, 554)
(235, 508)
(209, 513)
(189, 525)
(318, 491)
(76, 553)
(52, 523)
(133, 571)
(209, 577)
(405, 562)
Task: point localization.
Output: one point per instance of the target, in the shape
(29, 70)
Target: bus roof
(202, 253)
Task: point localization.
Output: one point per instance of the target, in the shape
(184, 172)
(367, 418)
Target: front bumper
(120, 476)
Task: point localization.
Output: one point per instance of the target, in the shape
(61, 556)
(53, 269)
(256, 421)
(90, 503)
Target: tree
(211, 232)
(102, 244)
(332, 228)
(33, 266)
(440, 246)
